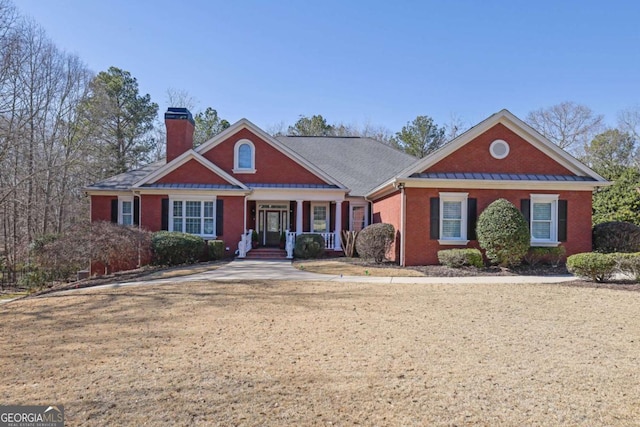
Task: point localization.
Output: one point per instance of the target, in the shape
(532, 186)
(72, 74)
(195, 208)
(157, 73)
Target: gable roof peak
(518, 126)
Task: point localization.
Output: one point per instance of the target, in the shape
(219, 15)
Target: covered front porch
(277, 219)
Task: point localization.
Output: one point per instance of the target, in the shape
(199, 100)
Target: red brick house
(244, 179)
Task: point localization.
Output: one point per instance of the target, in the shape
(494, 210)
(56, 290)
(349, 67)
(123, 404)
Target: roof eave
(502, 184)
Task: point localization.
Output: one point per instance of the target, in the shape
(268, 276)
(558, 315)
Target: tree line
(63, 127)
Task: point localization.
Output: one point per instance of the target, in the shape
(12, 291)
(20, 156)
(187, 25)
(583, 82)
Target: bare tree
(45, 152)
(629, 121)
(568, 125)
(181, 98)
(455, 127)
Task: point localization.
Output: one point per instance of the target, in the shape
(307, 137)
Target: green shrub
(628, 263)
(374, 241)
(547, 255)
(34, 279)
(503, 233)
(309, 246)
(457, 258)
(616, 236)
(592, 265)
(216, 249)
(174, 248)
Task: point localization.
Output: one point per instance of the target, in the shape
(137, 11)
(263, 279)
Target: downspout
(403, 222)
(137, 194)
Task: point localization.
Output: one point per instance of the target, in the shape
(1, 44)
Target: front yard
(326, 353)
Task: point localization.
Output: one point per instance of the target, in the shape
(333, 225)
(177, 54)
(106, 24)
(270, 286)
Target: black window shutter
(136, 211)
(114, 211)
(562, 220)
(165, 215)
(219, 217)
(472, 217)
(434, 227)
(525, 208)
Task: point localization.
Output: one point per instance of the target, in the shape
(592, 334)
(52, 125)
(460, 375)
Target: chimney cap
(178, 113)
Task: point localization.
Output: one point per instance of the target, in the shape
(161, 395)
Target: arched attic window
(244, 157)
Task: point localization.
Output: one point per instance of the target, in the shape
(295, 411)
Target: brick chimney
(180, 126)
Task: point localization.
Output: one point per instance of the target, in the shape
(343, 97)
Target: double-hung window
(320, 217)
(544, 219)
(453, 219)
(193, 217)
(125, 211)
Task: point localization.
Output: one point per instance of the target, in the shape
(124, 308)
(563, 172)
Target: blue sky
(361, 61)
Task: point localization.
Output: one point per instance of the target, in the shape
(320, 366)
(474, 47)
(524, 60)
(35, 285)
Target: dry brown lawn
(346, 268)
(327, 354)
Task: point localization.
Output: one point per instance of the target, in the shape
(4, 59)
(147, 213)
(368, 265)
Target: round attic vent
(499, 149)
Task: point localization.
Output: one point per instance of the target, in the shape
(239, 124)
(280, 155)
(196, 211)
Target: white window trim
(366, 213)
(194, 199)
(327, 219)
(236, 157)
(545, 198)
(122, 199)
(454, 197)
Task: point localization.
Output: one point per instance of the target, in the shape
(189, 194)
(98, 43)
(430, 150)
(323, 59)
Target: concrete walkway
(239, 270)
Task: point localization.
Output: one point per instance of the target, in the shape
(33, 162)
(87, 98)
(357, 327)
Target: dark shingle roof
(360, 164)
(124, 181)
(501, 176)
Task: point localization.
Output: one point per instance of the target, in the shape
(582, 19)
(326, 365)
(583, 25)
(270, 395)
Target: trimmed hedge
(457, 258)
(628, 263)
(374, 241)
(309, 246)
(547, 255)
(616, 236)
(594, 266)
(503, 233)
(216, 249)
(174, 248)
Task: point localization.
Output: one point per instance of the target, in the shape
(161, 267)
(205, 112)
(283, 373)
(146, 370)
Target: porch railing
(244, 245)
(330, 241)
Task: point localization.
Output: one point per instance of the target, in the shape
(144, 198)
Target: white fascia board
(89, 191)
(503, 184)
(183, 159)
(382, 190)
(517, 126)
(306, 194)
(246, 124)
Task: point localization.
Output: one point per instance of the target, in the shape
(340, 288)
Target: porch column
(338, 223)
(299, 216)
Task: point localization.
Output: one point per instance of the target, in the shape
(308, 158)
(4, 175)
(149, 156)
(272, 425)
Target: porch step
(266, 253)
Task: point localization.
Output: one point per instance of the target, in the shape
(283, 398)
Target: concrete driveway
(283, 270)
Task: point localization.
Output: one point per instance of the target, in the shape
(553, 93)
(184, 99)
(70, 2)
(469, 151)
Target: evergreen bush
(503, 233)
(594, 266)
(374, 241)
(628, 263)
(457, 258)
(216, 249)
(547, 255)
(309, 246)
(175, 248)
(616, 236)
